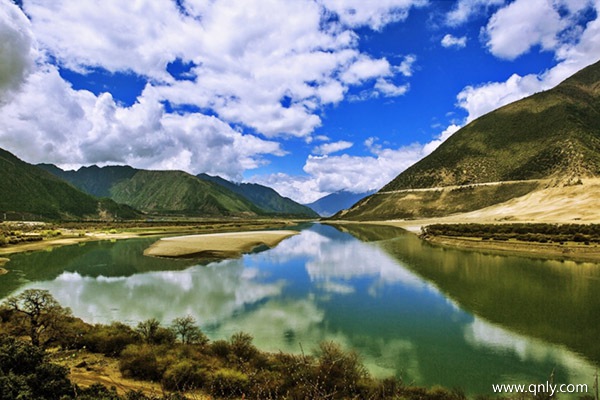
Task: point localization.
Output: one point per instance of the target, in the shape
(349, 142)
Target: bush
(229, 383)
(140, 362)
(221, 349)
(110, 339)
(339, 372)
(185, 375)
(242, 349)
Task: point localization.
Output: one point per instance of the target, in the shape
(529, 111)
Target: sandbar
(216, 245)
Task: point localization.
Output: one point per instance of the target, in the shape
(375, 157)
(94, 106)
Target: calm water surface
(427, 314)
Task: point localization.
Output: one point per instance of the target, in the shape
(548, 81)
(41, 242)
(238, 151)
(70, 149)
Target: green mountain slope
(177, 191)
(93, 180)
(264, 197)
(552, 135)
(27, 189)
(159, 192)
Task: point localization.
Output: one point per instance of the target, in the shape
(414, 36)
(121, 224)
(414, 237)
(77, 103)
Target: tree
(25, 373)
(186, 329)
(152, 333)
(38, 315)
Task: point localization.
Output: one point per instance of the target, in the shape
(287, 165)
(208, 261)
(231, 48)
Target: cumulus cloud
(572, 56)
(245, 56)
(374, 14)
(406, 66)
(328, 148)
(51, 122)
(358, 174)
(16, 48)
(257, 69)
(452, 41)
(464, 9)
(516, 28)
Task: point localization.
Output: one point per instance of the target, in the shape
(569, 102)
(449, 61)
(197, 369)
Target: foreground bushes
(181, 359)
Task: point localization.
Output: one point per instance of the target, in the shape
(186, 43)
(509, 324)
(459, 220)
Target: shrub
(221, 349)
(229, 383)
(26, 373)
(339, 371)
(110, 339)
(185, 375)
(140, 362)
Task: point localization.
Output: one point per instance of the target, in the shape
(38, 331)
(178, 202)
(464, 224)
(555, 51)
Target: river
(430, 315)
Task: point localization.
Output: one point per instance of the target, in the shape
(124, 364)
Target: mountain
(93, 180)
(329, 205)
(32, 191)
(264, 197)
(549, 138)
(162, 192)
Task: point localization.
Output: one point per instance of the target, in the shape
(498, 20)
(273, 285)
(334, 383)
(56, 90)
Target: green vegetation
(434, 203)
(232, 368)
(541, 233)
(28, 191)
(549, 135)
(179, 193)
(264, 197)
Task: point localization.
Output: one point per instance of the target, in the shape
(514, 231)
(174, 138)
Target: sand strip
(216, 245)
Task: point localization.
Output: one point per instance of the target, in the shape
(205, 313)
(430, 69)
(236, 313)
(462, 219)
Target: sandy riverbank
(216, 245)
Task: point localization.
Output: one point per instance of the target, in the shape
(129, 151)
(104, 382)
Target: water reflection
(430, 315)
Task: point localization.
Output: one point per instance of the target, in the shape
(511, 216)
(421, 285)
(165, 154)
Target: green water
(427, 314)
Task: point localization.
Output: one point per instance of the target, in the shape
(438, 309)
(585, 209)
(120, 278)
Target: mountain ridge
(264, 197)
(35, 192)
(159, 192)
(551, 137)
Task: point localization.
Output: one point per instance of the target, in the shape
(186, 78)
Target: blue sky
(307, 96)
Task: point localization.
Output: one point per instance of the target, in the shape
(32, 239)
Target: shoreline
(574, 252)
(216, 245)
(553, 251)
(72, 236)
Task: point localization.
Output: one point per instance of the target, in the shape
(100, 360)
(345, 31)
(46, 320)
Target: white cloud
(388, 89)
(50, 122)
(267, 65)
(357, 174)
(375, 14)
(523, 24)
(572, 57)
(406, 66)
(142, 37)
(16, 48)
(452, 41)
(365, 68)
(328, 148)
(514, 29)
(464, 9)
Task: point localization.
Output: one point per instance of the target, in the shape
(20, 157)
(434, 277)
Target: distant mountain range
(264, 197)
(32, 192)
(331, 204)
(552, 135)
(177, 192)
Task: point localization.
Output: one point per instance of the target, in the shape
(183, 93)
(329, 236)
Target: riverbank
(216, 245)
(74, 233)
(569, 250)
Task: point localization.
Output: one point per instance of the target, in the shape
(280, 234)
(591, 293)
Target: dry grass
(86, 369)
